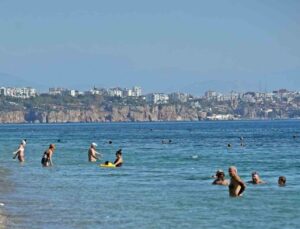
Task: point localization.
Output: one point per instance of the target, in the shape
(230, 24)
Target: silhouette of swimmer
(242, 140)
(229, 145)
(109, 142)
(166, 142)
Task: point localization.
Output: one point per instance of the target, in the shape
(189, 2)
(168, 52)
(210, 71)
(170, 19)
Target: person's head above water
(232, 171)
(52, 146)
(220, 173)
(23, 142)
(255, 177)
(94, 145)
(281, 180)
(119, 152)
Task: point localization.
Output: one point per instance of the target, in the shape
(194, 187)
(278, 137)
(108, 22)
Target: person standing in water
(119, 160)
(47, 156)
(93, 155)
(236, 186)
(20, 152)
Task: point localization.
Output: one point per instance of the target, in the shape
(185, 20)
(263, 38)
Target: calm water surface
(159, 185)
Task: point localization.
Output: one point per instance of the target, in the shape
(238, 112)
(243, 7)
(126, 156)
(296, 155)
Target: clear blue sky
(169, 45)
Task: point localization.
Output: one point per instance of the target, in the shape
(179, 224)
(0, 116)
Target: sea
(165, 181)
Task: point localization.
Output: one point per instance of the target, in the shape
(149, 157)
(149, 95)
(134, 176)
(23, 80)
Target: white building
(127, 92)
(25, 92)
(157, 98)
(118, 92)
(136, 91)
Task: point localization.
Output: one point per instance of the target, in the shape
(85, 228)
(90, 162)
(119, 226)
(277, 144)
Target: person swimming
(242, 141)
(20, 152)
(220, 178)
(281, 181)
(255, 179)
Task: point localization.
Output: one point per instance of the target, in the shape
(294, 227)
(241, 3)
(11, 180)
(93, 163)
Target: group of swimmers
(236, 184)
(46, 160)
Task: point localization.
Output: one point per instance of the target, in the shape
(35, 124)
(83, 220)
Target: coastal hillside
(98, 108)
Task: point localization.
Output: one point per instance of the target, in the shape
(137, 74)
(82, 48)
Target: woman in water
(119, 160)
(47, 156)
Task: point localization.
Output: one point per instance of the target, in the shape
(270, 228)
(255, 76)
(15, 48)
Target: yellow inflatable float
(108, 165)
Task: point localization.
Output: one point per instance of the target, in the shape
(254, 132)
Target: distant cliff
(103, 114)
(98, 108)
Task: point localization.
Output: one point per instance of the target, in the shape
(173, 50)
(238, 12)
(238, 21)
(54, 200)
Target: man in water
(255, 179)
(220, 178)
(20, 153)
(236, 186)
(93, 155)
(281, 181)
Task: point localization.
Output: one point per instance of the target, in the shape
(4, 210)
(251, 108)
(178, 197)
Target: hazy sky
(165, 45)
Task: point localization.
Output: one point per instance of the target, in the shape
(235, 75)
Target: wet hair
(220, 173)
(282, 180)
(109, 142)
(119, 152)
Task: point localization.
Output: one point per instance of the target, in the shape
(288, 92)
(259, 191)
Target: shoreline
(158, 121)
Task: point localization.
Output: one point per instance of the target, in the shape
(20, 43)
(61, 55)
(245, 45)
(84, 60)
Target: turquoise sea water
(159, 185)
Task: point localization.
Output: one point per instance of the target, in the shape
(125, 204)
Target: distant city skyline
(162, 46)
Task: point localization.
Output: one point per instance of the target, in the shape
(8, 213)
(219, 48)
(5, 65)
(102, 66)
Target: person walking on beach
(93, 155)
(47, 156)
(220, 178)
(20, 152)
(236, 186)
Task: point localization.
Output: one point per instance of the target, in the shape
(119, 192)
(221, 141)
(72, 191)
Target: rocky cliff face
(12, 117)
(101, 114)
